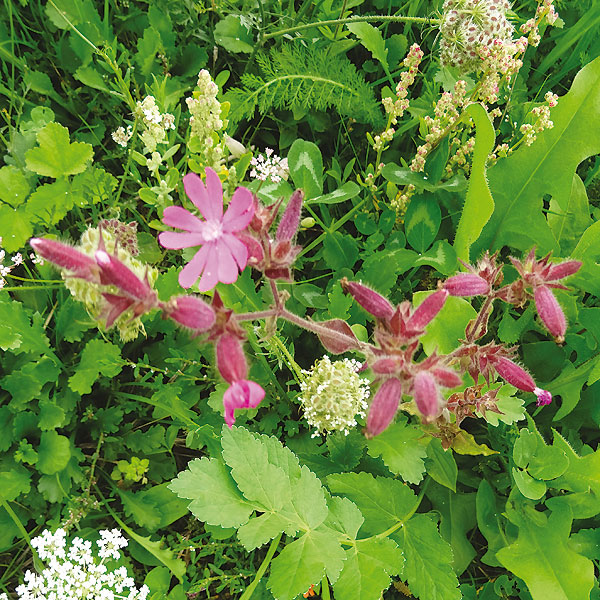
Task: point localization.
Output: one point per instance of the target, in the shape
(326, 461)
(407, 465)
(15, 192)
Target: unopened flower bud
(427, 310)
(118, 274)
(236, 148)
(514, 374)
(466, 284)
(288, 226)
(564, 269)
(385, 366)
(231, 360)
(550, 312)
(426, 395)
(66, 257)
(369, 299)
(446, 377)
(383, 407)
(190, 311)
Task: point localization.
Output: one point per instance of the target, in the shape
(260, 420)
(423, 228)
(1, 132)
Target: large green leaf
(306, 167)
(519, 182)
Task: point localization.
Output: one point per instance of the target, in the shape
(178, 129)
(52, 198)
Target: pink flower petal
(239, 212)
(227, 267)
(210, 276)
(194, 268)
(215, 194)
(177, 241)
(175, 216)
(197, 193)
(242, 394)
(237, 248)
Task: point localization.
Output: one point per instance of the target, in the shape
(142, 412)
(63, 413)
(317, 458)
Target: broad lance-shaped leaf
(543, 558)
(428, 566)
(367, 569)
(520, 182)
(479, 204)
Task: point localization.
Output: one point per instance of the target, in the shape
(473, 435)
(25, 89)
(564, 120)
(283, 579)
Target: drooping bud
(66, 257)
(288, 226)
(550, 312)
(190, 311)
(466, 284)
(514, 374)
(426, 395)
(242, 394)
(383, 407)
(231, 360)
(564, 269)
(446, 377)
(118, 274)
(369, 299)
(427, 310)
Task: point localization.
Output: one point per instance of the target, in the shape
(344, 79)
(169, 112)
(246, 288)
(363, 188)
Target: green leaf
(234, 34)
(372, 40)
(56, 156)
(488, 522)
(72, 320)
(54, 453)
(519, 182)
(347, 191)
(588, 251)
(14, 187)
(568, 386)
(310, 295)
(441, 465)
(15, 227)
(383, 502)
(141, 509)
(404, 176)
(586, 542)
(98, 358)
(428, 567)
(441, 256)
(512, 407)
(543, 558)
(531, 488)
(344, 516)
(583, 472)
(422, 222)
(214, 494)
(479, 204)
(51, 202)
(340, 250)
(381, 269)
(400, 450)
(448, 326)
(16, 480)
(367, 569)
(304, 562)
(306, 167)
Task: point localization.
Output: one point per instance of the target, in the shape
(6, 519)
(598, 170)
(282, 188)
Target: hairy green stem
(262, 569)
(355, 19)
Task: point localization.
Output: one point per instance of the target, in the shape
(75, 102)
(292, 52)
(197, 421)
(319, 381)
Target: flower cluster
(269, 167)
(74, 572)
(468, 25)
(205, 121)
(154, 123)
(541, 119)
(459, 158)
(122, 136)
(333, 395)
(545, 11)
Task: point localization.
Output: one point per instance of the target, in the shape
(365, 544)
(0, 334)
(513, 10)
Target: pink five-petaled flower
(222, 255)
(232, 365)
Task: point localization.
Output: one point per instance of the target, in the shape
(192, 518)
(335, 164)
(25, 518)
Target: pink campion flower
(66, 257)
(233, 367)
(383, 407)
(521, 379)
(222, 255)
(550, 312)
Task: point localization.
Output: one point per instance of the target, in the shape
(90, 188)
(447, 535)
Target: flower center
(212, 230)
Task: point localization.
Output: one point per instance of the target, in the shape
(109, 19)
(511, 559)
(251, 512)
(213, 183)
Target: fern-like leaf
(297, 77)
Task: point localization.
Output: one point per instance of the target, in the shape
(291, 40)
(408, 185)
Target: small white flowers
(269, 166)
(333, 395)
(74, 573)
(121, 137)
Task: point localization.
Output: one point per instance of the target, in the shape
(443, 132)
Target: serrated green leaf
(343, 516)
(56, 156)
(428, 566)
(381, 269)
(72, 320)
(401, 451)
(441, 465)
(304, 562)
(51, 202)
(214, 494)
(367, 569)
(340, 251)
(583, 472)
(372, 40)
(98, 358)
(14, 187)
(16, 480)
(310, 295)
(383, 502)
(259, 530)
(15, 227)
(306, 167)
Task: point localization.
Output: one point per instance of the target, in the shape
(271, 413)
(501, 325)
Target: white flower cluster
(541, 119)
(468, 25)
(269, 166)
(74, 573)
(155, 124)
(333, 395)
(205, 119)
(121, 136)
(16, 259)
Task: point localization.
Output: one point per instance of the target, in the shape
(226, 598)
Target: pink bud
(385, 366)
(544, 397)
(66, 257)
(426, 395)
(514, 374)
(467, 284)
(242, 394)
(369, 299)
(231, 360)
(341, 339)
(190, 311)
(564, 269)
(427, 310)
(446, 377)
(288, 226)
(121, 276)
(550, 312)
(115, 307)
(383, 407)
